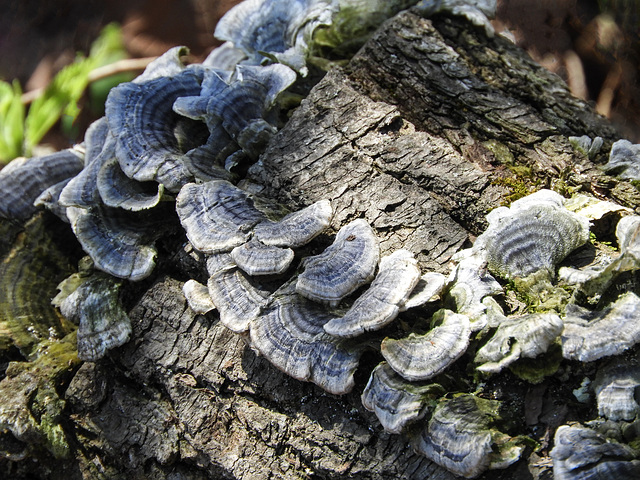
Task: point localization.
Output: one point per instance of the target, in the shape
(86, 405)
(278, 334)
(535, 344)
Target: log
(430, 126)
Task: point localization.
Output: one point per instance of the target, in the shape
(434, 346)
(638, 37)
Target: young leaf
(11, 121)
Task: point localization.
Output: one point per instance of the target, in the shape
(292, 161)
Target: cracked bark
(427, 128)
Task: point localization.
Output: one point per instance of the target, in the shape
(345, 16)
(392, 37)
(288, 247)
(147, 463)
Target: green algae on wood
(29, 274)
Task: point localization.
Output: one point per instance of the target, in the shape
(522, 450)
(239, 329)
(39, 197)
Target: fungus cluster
(175, 137)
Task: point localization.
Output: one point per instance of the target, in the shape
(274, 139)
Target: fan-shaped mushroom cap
(289, 334)
(459, 437)
(23, 180)
(395, 401)
(82, 190)
(615, 386)
(346, 265)
(166, 65)
(256, 258)
(118, 190)
(586, 145)
(114, 241)
(534, 234)
(381, 303)
(420, 357)
(624, 160)
(141, 117)
(216, 215)
(237, 301)
(94, 139)
(589, 336)
(516, 337)
(297, 228)
(239, 102)
(581, 453)
(198, 297)
(224, 57)
(96, 308)
(277, 29)
(470, 283)
(429, 286)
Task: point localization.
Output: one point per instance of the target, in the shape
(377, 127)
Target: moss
(519, 186)
(535, 370)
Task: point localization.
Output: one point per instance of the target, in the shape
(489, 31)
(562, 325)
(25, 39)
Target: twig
(121, 66)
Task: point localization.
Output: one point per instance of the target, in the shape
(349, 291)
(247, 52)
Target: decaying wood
(427, 128)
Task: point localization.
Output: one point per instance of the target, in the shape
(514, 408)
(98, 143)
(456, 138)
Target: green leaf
(62, 95)
(11, 121)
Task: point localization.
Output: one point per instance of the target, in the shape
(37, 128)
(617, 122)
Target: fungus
(615, 387)
(102, 322)
(119, 244)
(343, 267)
(141, 118)
(216, 215)
(533, 235)
(519, 337)
(289, 334)
(591, 335)
(395, 401)
(296, 228)
(118, 190)
(421, 357)
(237, 301)
(278, 30)
(624, 160)
(381, 302)
(198, 297)
(580, 452)
(460, 438)
(23, 180)
(256, 258)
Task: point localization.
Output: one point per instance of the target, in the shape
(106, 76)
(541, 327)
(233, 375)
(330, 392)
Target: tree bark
(429, 126)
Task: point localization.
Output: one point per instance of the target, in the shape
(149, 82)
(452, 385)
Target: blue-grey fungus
(421, 357)
(381, 303)
(345, 265)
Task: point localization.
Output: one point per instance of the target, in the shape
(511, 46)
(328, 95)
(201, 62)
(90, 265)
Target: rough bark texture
(429, 127)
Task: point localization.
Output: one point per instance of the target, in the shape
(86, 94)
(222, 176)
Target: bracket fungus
(429, 287)
(256, 258)
(591, 335)
(296, 228)
(284, 38)
(216, 215)
(382, 301)
(459, 436)
(624, 160)
(580, 452)
(237, 301)
(586, 145)
(197, 296)
(519, 337)
(289, 334)
(534, 235)
(615, 387)
(102, 322)
(141, 117)
(116, 243)
(421, 357)
(23, 181)
(593, 282)
(241, 102)
(345, 266)
(395, 401)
